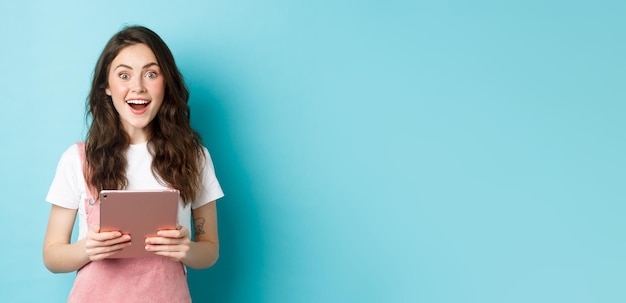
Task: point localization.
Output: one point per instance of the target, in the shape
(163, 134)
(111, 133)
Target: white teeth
(137, 102)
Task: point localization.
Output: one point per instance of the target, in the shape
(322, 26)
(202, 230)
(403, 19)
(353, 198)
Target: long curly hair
(175, 147)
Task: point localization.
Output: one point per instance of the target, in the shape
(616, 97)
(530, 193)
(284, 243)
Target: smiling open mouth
(138, 104)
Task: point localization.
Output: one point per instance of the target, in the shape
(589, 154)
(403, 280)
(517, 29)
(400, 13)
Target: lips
(138, 106)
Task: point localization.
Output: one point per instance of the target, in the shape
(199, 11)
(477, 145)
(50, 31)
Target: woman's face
(137, 87)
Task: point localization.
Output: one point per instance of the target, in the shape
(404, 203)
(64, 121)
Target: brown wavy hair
(175, 147)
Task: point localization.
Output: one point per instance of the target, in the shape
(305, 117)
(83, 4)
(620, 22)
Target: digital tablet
(138, 213)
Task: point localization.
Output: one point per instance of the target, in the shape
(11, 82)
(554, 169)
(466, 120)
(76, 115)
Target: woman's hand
(176, 244)
(170, 243)
(101, 245)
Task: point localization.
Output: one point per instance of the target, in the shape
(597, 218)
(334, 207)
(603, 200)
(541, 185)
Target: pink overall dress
(152, 279)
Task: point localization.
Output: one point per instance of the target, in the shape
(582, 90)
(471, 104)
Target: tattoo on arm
(199, 225)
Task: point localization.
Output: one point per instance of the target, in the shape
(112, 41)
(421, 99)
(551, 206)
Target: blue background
(370, 151)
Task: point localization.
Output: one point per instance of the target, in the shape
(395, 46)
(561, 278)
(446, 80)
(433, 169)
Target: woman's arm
(176, 244)
(61, 256)
(58, 254)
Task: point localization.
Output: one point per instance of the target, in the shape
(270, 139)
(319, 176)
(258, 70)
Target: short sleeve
(65, 189)
(211, 189)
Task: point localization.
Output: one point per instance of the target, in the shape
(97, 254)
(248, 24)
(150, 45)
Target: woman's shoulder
(75, 149)
(72, 153)
(68, 182)
(206, 156)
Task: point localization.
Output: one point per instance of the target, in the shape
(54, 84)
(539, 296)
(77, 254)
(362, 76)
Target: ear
(107, 91)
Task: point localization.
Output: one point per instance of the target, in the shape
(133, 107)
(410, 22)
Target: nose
(137, 85)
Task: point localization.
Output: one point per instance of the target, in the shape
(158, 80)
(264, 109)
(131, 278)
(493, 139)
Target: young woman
(139, 138)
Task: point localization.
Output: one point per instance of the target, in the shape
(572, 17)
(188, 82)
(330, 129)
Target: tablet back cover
(138, 213)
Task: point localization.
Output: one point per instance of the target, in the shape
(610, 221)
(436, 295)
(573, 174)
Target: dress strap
(92, 208)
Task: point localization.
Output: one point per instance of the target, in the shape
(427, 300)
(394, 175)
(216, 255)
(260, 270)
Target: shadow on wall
(241, 261)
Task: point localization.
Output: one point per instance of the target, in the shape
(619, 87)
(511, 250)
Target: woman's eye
(124, 76)
(151, 75)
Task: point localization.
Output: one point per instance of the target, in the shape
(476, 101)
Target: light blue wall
(371, 151)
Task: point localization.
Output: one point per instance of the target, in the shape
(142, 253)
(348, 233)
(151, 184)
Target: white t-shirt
(68, 187)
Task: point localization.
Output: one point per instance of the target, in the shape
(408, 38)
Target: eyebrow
(144, 67)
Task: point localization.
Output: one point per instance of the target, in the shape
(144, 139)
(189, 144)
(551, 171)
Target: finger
(104, 252)
(104, 236)
(108, 242)
(168, 250)
(181, 232)
(118, 240)
(108, 249)
(165, 241)
(94, 230)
